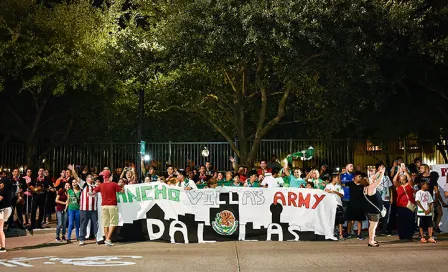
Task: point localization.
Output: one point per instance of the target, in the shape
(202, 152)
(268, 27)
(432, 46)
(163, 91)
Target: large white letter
(182, 229)
(292, 229)
(278, 231)
(201, 234)
(158, 223)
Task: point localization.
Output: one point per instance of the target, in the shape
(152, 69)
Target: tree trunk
(30, 154)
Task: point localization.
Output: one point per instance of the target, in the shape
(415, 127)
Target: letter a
(278, 230)
(182, 229)
(279, 196)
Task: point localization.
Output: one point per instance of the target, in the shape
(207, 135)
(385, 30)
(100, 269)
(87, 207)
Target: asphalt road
(351, 255)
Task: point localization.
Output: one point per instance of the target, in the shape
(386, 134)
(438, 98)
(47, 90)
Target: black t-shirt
(6, 193)
(431, 180)
(356, 193)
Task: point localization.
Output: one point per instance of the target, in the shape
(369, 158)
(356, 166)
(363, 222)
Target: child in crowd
(336, 189)
(424, 212)
(309, 185)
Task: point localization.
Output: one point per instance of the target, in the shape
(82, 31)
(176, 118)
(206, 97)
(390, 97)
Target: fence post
(169, 152)
(111, 159)
(349, 159)
(290, 146)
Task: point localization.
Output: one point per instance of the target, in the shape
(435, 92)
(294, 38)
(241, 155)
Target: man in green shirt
(295, 181)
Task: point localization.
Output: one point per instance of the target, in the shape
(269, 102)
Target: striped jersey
(88, 202)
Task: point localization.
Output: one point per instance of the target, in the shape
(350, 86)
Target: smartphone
(402, 165)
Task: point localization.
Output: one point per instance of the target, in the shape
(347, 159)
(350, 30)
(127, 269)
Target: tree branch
(313, 57)
(232, 83)
(36, 123)
(17, 117)
(260, 84)
(211, 122)
(60, 141)
(280, 112)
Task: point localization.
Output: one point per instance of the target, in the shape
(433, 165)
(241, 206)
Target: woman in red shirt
(405, 197)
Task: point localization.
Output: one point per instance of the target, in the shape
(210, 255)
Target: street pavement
(350, 255)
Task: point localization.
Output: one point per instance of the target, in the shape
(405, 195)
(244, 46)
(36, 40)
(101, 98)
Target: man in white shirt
(336, 190)
(272, 180)
(184, 182)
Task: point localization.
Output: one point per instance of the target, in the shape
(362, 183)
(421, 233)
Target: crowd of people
(406, 198)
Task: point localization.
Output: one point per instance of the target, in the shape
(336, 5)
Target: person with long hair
(74, 195)
(405, 203)
(374, 204)
(61, 211)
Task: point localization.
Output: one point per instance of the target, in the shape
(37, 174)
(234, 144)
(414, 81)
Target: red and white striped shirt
(88, 202)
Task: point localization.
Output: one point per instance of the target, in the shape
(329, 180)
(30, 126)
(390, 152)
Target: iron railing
(335, 153)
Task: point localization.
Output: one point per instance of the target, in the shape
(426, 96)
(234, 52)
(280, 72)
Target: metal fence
(335, 153)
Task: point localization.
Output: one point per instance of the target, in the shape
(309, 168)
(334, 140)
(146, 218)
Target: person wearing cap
(5, 207)
(109, 209)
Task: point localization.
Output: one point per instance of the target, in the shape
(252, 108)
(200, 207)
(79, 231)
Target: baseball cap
(105, 173)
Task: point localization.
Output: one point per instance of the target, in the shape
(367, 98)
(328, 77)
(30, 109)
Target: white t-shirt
(425, 198)
(383, 188)
(187, 183)
(271, 181)
(336, 188)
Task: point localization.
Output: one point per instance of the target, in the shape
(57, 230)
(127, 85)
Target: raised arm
(75, 175)
(235, 168)
(285, 168)
(395, 181)
(376, 180)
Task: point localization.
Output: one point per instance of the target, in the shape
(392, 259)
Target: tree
(242, 66)
(53, 59)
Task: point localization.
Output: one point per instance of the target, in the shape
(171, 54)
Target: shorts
(425, 221)
(355, 213)
(339, 216)
(5, 214)
(374, 217)
(109, 216)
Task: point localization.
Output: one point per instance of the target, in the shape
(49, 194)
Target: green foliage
(243, 66)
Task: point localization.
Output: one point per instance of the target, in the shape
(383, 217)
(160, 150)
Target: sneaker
(81, 243)
(63, 238)
(431, 240)
(2, 250)
(423, 240)
(58, 240)
(100, 242)
(346, 236)
(68, 241)
(108, 243)
(341, 239)
(360, 238)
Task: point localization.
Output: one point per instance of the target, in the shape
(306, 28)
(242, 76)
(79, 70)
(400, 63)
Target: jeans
(73, 217)
(85, 217)
(62, 223)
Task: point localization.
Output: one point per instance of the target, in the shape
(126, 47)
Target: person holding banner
(109, 209)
